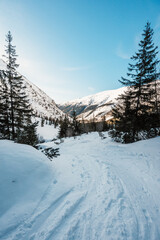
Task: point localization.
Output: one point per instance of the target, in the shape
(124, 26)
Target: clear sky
(74, 48)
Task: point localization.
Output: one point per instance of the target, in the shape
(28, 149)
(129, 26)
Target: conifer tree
(64, 124)
(4, 104)
(124, 117)
(28, 135)
(19, 107)
(75, 124)
(137, 103)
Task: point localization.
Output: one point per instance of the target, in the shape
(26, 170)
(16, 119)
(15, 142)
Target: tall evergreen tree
(2, 109)
(4, 104)
(19, 107)
(137, 103)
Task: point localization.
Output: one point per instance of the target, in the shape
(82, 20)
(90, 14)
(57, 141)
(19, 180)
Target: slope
(25, 175)
(98, 105)
(107, 191)
(41, 103)
(94, 106)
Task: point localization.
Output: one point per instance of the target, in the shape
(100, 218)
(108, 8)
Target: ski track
(107, 202)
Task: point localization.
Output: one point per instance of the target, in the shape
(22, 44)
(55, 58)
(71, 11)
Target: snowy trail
(100, 190)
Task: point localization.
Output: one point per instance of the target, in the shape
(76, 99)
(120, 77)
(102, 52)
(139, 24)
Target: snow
(40, 102)
(25, 175)
(47, 132)
(96, 105)
(97, 189)
(98, 98)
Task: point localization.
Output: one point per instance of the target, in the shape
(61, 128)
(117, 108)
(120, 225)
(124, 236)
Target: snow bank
(25, 175)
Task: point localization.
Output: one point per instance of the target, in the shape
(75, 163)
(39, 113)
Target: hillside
(41, 103)
(97, 105)
(107, 191)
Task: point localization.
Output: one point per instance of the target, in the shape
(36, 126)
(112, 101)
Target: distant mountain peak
(93, 106)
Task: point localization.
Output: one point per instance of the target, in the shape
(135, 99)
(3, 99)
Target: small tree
(64, 124)
(75, 125)
(105, 124)
(42, 122)
(28, 135)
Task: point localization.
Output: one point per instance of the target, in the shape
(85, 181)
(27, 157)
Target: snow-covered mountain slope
(41, 103)
(107, 191)
(94, 106)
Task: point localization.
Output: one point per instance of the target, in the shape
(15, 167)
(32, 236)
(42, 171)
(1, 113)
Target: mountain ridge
(42, 105)
(95, 106)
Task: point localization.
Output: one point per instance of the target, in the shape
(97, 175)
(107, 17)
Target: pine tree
(124, 119)
(42, 122)
(105, 126)
(4, 104)
(137, 103)
(19, 110)
(28, 135)
(64, 124)
(75, 124)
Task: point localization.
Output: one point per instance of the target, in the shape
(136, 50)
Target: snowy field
(95, 190)
(48, 132)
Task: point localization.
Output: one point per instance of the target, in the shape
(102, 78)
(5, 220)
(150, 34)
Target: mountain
(41, 103)
(94, 106)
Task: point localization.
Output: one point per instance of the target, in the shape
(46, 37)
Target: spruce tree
(75, 124)
(4, 104)
(124, 118)
(136, 108)
(19, 107)
(28, 135)
(64, 124)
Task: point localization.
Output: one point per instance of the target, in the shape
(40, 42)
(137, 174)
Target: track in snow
(101, 190)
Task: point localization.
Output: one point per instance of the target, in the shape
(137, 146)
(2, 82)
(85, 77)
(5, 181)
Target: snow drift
(25, 175)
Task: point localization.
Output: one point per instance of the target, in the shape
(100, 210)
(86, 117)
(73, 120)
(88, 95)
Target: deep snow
(96, 189)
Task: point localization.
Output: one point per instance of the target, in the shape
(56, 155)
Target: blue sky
(74, 48)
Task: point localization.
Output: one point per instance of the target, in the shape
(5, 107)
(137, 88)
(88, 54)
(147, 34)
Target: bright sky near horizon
(74, 48)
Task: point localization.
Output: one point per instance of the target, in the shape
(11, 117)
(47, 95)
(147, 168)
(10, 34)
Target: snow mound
(25, 174)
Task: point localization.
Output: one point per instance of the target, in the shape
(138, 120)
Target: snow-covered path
(100, 190)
